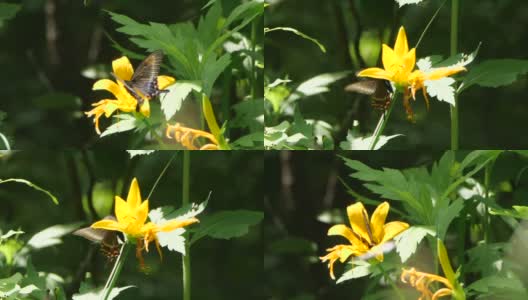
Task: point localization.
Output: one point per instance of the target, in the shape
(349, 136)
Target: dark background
(46, 47)
(303, 185)
(221, 269)
(489, 118)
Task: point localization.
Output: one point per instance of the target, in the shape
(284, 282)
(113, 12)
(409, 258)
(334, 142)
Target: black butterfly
(145, 79)
(108, 239)
(379, 89)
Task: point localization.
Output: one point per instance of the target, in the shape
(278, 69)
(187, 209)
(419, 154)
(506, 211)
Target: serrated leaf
(52, 235)
(253, 140)
(408, 241)
(172, 101)
(8, 284)
(442, 89)
(497, 282)
(227, 224)
(212, 69)
(30, 184)
(446, 216)
(495, 73)
(124, 125)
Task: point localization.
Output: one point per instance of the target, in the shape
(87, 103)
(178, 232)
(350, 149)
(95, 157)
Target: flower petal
(346, 232)
(378, 220)
(122, 210)
(123, 68)
(165, 81)
(134, 195)
(443, 72)
(141, 212)
(409, 60)
(401, 47)
(145, 108)
(108, 225)
(375, 73)
(175, 224)
(356, 215)
(389, 58)
(392, 229)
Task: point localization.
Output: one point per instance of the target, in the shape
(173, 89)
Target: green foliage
(427, 196)
(495, 73)
(51, 236)
(297, 32)
(8, 11)
(226, 224)
(178, 92)
(126, 123)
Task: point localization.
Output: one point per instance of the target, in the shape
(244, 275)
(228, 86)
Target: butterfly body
(378, 89)
(144, 82)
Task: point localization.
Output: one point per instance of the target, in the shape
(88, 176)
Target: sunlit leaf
(178, 92)
(126, 124)
(297, 32)
(227, 224)
(51, 236)
(30, 184)
(408, 241)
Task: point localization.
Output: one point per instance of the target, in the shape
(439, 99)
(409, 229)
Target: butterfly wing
(145, 78)
(378, 89)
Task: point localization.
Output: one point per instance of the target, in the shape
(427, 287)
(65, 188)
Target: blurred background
(221, 269)
(54, 50)
(489, 118)
(307, 192)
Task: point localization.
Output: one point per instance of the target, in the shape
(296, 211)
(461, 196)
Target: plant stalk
(186, 259)
(383, 122)
(120, 262)
(454, 47)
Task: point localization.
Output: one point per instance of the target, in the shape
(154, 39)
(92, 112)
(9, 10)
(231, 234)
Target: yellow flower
(421, 281)
(188, 136)
(363, 234)
(131, 217)
(398, 66)
(124, 101)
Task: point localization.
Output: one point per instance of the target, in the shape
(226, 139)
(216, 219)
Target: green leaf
(446, 216)
(178, 92)
(297, 32)
(9, 286)
(276, 94)
(30, 184)
(250, 114)
(128, 123)
(317, 85)
(227, 224)
(497, 282)
(407, 241)
(51, 236)
(359, 271)
(495, 73)
(97, 294)
(212, 69)
(251, 141)
(8, 11)
(518, 212)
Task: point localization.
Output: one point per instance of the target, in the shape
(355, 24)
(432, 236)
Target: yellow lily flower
(363, 234)
(131, 216)
(398, 66)
(125, 102)
(188, 136)
(421, 282)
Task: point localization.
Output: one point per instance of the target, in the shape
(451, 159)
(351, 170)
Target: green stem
(391, 282)
(254, 82)
(383, 122)
(120, 262)
(454, 46)
(186, 259)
